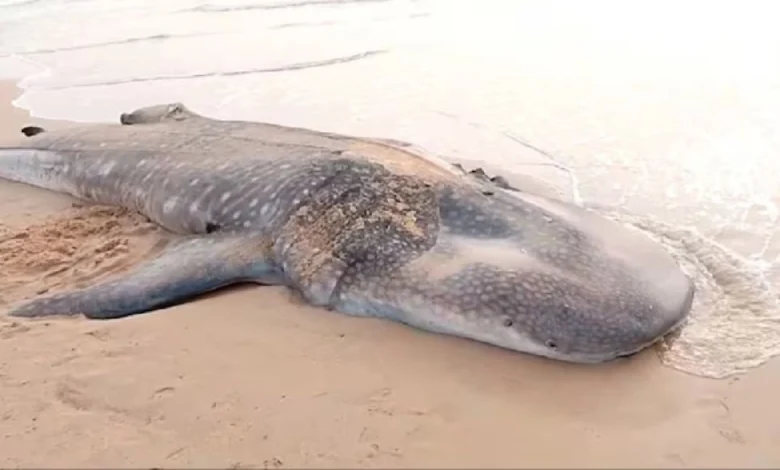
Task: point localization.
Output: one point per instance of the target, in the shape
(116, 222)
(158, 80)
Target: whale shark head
(530, 274)
(487, 291)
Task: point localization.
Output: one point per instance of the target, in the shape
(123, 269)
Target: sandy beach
(250, 378)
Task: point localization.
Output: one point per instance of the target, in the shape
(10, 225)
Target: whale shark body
(366, 227)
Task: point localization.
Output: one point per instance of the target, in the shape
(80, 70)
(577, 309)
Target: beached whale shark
(363, 226)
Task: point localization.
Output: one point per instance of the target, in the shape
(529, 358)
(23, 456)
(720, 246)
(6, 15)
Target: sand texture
(249, 377)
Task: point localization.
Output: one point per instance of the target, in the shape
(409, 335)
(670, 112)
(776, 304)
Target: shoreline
(13, 115)
(249, 376)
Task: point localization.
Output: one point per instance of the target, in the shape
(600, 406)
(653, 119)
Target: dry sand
(249, 377)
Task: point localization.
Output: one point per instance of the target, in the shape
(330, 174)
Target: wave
(286, 68)
(18, 3)
(96, 45)
(208, 8)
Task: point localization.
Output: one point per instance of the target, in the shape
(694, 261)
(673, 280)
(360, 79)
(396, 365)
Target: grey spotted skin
(363, 226)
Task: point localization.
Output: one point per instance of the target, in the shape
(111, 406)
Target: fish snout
(576, 327)
(668, 321)
(653, 323)
(126, 119)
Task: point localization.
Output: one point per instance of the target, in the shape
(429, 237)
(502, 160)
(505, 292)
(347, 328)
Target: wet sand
(250, 377)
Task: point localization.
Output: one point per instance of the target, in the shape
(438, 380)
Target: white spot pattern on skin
(194, 182)
(170, 205)
(236, 215)
(247, 223)
(106, 168)
(224, 197)
(254, 202)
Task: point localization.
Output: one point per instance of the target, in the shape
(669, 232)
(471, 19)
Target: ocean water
(661, 114)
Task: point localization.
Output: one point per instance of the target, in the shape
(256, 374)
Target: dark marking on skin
(502, 182)
(30, 131)
(479, 174)
(464, 214)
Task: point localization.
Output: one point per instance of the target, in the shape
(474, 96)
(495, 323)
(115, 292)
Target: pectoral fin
(185, 270)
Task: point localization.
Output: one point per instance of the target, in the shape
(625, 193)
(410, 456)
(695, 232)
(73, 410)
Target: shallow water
(664, 112)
